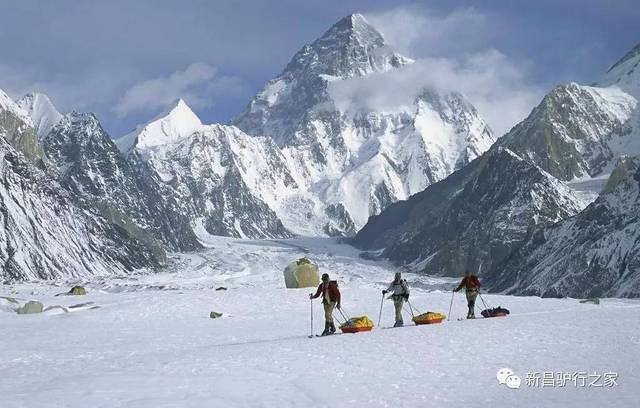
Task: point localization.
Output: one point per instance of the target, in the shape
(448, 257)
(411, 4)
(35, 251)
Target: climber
(471, 285)
(330, 300)
(399, 293)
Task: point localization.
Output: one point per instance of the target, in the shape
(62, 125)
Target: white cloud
(493, 83)
(419, 31)
(497, 85)
(197, 85)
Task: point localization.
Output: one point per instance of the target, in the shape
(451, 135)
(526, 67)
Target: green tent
(301, 274)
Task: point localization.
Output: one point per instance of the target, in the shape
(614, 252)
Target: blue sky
(126, 60)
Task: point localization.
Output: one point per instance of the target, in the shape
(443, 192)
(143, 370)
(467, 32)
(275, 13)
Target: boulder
(215, 315)
(30, 307)
(78, 291)
(301, 274)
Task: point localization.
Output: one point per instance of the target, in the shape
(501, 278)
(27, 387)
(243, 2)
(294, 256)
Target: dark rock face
(473, 219)
(46, 236)
(594, 254)
(91, 167)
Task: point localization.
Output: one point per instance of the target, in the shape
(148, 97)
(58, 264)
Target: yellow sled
(357, 324)
(429, 318)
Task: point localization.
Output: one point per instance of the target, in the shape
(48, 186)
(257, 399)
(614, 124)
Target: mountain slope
(594, 254)
(16, 127)
(577, 131)
(471, 220)
(211, 170)
(91, 167)
(625, 73)
(497, 216)
(41, 111)
(351, 47)
(354, 159)
(45, 236)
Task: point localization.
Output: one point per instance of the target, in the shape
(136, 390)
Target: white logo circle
(502, 374)
(513, 381)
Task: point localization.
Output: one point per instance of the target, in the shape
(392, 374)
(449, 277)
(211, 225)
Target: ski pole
(335, 316)
(483, 302)
(311, 301)
(380, 315)
(343, 316)
(451, 305)
(410, 308)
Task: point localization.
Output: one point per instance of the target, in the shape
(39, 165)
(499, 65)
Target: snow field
(152, 344)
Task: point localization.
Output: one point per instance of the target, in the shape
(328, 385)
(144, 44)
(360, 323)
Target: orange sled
(346, 329)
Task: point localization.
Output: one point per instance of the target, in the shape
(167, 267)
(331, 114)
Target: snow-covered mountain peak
(42, 112)
(353, 28)
(351, 47)
(168, 128)
(625, 73)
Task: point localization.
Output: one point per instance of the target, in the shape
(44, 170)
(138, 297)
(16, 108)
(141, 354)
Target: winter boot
(471, 314)
(327, 329)
(332, 328)
(399, 323)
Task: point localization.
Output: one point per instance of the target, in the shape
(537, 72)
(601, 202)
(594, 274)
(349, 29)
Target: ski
(329, 335)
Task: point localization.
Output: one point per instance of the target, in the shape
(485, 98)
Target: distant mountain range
(548, 209)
